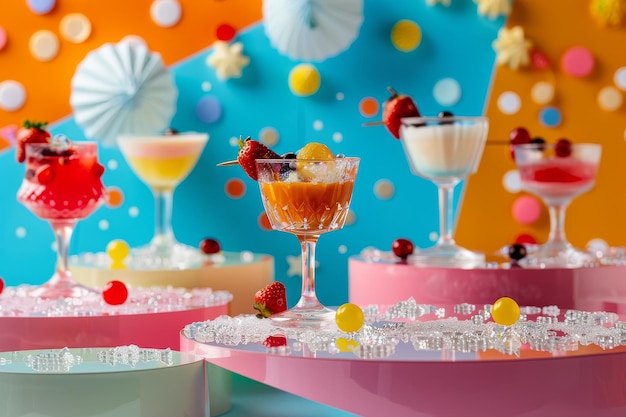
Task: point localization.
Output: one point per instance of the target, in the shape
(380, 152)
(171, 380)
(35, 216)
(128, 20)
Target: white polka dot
(234, 141)
(620, 78)
(20, 232)
(44, 45)
(609, 98)
(350, 218)
(12, 95)
(339, 96)
(75, 27)
(269, 136)
(433, 236)
(112, 164)
(206, 86)
(542, 92)
(318, 125)
(597, 245)
(447, 91)
(512, 182)
(384, 189)
(509, 102)
(165, 13)
(103, 224)
(337, 137)
(342, 249)
(133, 211)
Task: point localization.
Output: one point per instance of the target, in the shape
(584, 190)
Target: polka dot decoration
(550, 116)
(509, 102)
(235, 188)
(619, 78)
(511, 181)
(368, 107)
(209, 109)
(12, 95)
(406, 35)
(578, 62)
(75, 27)
(269, 136)
(4, 38)
(447, 91)
(384, 189)
(44, 45)
(609, 98)
(225, 32)
(526, 210)
(318, 125)
(41, 6)
(350, 218)
(597, 245)
(337, 137)
(304, 80)
(542, 92)
(114, 197)
(264, 222)
(165, 13)
(525, 239)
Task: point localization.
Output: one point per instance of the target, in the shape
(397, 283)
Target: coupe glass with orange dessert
(307, 194)
(62, 184)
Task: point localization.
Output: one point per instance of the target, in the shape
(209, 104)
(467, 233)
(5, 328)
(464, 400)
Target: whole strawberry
(30, 132)
(270, 299)
(395, 108)
(249, 151)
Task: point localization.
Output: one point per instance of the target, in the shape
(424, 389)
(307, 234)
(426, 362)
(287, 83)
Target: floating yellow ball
(505, 311)
(304, 80)
(346, 345)
(117, 250)
(406, 35)
(349, 318)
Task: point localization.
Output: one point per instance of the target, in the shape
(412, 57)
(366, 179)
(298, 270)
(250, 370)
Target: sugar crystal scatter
(464, 308)
(54, 361)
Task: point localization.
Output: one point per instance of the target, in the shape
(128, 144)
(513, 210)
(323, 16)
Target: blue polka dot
(447, 91)
(41, 6)
(209, 109)
(550, 116)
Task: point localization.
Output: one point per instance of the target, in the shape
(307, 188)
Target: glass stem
(308, 297)
(557, 225)
(63, 230)
(446, 214)
(163, 235)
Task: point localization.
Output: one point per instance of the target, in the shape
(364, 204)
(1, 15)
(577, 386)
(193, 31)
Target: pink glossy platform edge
(589, 289)
(576, 386)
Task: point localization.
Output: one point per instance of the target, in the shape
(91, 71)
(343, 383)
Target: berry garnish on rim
(395, 108)
(30, 132)
(445, 117)
(249, 151)
(563, 148)
(271, 299)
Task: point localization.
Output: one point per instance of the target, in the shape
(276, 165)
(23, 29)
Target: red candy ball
(1, 285)
(402, 248)
(115, 293)
(210, 246)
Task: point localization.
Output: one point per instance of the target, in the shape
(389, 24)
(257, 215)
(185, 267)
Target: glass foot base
(54, 289)
(558, 256)
(447, 256)
(305, 317)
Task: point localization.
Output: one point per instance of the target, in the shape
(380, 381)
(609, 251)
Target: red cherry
(563, 148)
(115, 293)
(1, 285)
(402, 248)
(518, 136)
(210, 246)
(525, 239)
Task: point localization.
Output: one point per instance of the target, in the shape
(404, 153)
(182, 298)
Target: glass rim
(283, 160)
(80, 143)
(553, 145)
(201, 136)
(416, 119)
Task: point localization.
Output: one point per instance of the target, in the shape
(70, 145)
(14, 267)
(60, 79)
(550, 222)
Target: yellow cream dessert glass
(307, 198)
(445, 150)
(162, 162)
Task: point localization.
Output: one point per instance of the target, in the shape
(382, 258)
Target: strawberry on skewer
(30, 132)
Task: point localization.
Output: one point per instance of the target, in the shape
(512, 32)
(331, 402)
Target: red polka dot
(225, 32)
(368, 106)
(526, 209)
(264, 222)
(235, 188)
(525, 238)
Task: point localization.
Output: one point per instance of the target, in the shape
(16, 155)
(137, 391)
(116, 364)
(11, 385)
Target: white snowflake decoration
(512, 48)
(493, 8)
(227, 60)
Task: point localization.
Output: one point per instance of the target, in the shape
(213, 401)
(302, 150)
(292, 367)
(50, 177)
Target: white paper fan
(122, 88)
(312, 30)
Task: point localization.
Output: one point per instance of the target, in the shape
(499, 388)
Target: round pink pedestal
(592, 289)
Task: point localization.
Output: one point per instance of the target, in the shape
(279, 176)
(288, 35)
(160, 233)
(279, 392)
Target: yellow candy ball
(346, 345)
(406, 35)
(315, 151)
(505, 311)
(349, 318)
(304, 80)
(117, 250)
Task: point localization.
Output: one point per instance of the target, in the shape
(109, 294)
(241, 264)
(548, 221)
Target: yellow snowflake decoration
(512, 48)
(433, 2)
(227, 60)
(607, 12)
(493, 8)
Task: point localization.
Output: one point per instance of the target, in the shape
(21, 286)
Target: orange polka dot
(368, 106)
(264, 222)
(114, 197)
(235, 188)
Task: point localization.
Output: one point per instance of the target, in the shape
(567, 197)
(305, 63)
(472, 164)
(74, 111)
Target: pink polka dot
(3, 38)
(578, 62)
(526, 209)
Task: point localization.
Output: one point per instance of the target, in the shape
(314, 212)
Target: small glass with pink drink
(557, 173)
(62, 184)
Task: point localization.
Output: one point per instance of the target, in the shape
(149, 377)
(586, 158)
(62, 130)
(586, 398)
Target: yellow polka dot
(304, 80)
(542, 92)
(609, 98)
(406, 35)
(44, 45)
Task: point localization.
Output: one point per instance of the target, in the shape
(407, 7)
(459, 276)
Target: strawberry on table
(271, 299)
(395, 108)
(249, 151)
(30, 132)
